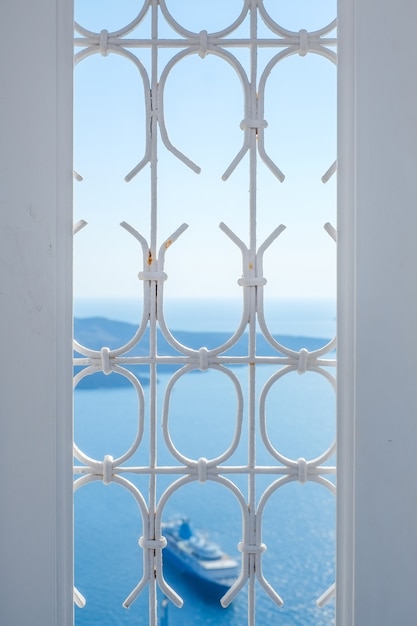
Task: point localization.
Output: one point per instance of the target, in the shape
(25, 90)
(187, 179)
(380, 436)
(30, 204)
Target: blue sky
(203, 110)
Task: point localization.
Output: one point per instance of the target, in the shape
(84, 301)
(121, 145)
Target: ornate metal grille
(255, 31)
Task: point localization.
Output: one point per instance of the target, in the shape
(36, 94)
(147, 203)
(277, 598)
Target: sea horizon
(297, 317)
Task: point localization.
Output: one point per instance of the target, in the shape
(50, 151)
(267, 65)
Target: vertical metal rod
(153, 408)
(154, 129)
(252, 311)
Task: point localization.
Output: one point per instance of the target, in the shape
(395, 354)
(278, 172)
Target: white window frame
(377, 433)
(377, 313)
(36, 562)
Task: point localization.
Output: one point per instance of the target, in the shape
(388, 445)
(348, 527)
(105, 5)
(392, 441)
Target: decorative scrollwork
(250, 425)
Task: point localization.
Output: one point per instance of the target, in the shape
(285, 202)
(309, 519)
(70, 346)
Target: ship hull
(215, 575)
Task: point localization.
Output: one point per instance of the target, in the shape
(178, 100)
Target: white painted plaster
(35, 295)
(377, 565)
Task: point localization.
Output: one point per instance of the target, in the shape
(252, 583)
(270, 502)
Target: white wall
(35, 288)
(377, 564)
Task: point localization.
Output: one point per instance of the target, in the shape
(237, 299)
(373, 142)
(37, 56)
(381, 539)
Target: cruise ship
(193, 553)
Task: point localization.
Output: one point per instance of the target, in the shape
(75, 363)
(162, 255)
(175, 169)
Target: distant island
(96, 332)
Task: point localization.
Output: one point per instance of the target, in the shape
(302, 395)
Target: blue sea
(299, 522)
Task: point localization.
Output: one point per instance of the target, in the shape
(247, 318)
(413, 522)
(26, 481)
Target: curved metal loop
(196, 464)
(272, 488)
(261, 99)
(314, 355)
(83, 54)
(116, 352)
(293, 464)
(96, 354)
(188, 33)
(161, 113)
(155, 272)
(121, 31)
(143, 509)
(280, 30)
(123, 482)
(171, 339)
(159, 265)
(99, 466)
(220, 52)
(184, 480)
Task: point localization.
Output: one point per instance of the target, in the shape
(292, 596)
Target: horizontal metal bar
(279, 42)
(218, 360)
(184, 470)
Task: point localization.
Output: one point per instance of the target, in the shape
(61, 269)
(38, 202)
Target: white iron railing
(281, 43)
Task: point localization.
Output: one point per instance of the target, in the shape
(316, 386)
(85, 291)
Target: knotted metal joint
(107, 469)
(105, 360)
(304, 43)
(256, 281)
(152, 276)
(248, 548)
(203, 40)
(202, 469)
(203, 361)
(302, 470)
(302, 361)
(104, 43)
(152, 544)
(248, 123)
